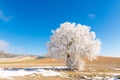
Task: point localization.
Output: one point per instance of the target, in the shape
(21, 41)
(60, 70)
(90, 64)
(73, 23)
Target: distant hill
(10, 55)
(6, 55)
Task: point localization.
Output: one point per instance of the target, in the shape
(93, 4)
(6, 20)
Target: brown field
(102, 64)
(29, 62)
(38, 77)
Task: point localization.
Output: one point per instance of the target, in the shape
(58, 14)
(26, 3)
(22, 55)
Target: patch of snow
(8, 73)
(110, 78)
(58, 67)
(98, 78)
(49, 73)
(116, 69)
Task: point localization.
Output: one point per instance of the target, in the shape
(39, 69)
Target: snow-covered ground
(7, 73)
(44, 71)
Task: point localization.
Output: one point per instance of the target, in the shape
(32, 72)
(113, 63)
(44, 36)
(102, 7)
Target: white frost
(73, 42)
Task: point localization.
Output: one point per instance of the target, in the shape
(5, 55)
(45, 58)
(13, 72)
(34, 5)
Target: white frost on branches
(73, 42)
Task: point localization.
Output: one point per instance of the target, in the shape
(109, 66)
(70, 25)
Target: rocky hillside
(6, 55)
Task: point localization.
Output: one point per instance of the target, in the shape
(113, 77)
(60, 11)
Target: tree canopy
(72, 42)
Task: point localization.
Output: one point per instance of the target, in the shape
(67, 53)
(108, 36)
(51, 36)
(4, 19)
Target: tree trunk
(70, 62)
(74, 62)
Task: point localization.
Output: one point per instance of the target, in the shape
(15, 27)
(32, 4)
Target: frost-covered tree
(72, 43)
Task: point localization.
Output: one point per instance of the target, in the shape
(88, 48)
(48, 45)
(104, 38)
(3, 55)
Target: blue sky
(25, 25)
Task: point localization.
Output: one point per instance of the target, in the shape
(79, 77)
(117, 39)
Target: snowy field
(9, 73)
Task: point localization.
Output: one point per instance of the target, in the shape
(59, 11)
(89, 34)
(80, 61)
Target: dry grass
(30, 62)
(102, 65)
(39, 77)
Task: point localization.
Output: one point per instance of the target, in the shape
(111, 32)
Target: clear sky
(25, 25)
